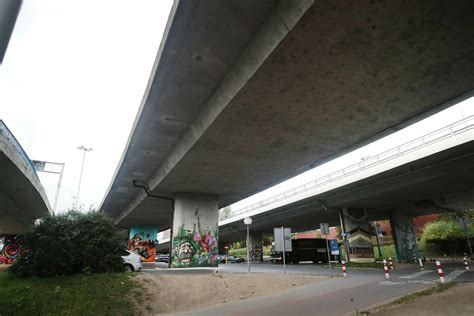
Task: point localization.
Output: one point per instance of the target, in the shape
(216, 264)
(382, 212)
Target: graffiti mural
(142, 240)
(11, 249)
(359, 240)
(256, 253)
(196, 248)
(405, 237)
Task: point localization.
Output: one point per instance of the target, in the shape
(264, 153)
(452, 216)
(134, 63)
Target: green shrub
(68, 244)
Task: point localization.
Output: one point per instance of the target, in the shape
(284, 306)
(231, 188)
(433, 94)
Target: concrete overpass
(431, 174)
(22, 197)
(234, 107)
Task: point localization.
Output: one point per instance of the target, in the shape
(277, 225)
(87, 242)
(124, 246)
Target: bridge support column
(142, 239)
(195, 231)
(404, 236)
(256, 247)
(359, 240)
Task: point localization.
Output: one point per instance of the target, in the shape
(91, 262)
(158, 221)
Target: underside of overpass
(233, 107)
(245, 94)
(435, 184)
(22, 197)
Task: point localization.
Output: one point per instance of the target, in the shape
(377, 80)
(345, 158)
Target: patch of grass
(376, 265)
(94, 294)
(412, 297)
(387, 251)
(242, 252)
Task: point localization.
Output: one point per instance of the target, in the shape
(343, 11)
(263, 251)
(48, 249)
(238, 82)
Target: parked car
(162, 257)
(131, 260)
(233, 259)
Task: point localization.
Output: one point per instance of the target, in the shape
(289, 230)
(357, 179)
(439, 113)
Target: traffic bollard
(421, 264)
(440, 271)
(390, 262)
(344, 269)
(466, 265)
(385, 269)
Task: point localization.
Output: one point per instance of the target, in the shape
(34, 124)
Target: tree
(224, 213)
(446, 235)
(68, 244)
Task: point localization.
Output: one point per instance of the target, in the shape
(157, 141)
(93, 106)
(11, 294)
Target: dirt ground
(4, 266)
(174, 293)
(458, 300)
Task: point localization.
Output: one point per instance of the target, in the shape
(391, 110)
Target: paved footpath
(335, 296)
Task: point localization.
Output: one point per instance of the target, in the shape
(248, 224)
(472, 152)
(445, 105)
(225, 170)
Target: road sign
(324, 229)
(334, 247)
(279, 238)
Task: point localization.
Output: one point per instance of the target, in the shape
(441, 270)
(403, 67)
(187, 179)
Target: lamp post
(226, 253)
(85, 150)
(248, 222)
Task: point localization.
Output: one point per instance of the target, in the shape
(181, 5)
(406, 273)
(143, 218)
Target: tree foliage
(446, 236)
(70, 243)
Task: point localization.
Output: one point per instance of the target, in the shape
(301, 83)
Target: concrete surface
(235, 105)
(337, 296)
(432, 184)
(22, 197)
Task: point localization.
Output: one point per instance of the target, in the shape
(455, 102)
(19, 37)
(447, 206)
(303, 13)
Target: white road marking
(455, 274)
(390, 283)
(415, 275)
(422, 282)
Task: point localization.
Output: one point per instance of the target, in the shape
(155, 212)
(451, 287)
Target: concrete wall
(195, 231)
(404, 236)
(357, 226)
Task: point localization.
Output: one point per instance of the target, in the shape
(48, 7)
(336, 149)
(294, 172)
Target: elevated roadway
(245, 94)
(22, 197)
(430, 174)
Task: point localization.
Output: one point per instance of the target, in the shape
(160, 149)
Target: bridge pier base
(195, 231)
(404, 236)
(359, 241)
(256, 247)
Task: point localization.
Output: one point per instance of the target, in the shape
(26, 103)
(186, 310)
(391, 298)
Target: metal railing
(438, 135)
(14, 142)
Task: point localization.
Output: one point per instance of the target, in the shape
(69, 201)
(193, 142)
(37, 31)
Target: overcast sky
(74, 74)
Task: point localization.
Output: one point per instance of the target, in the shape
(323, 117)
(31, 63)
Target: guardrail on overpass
(431, 138)
(8, 135)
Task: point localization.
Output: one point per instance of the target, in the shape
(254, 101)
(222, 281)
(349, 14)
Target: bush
(68, 244)
(444, 236)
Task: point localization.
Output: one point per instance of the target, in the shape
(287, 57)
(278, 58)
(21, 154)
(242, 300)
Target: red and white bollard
(421, 263)
(466, 265)
(440, 271)
(385, 269)
(344, 269)
(390, 262)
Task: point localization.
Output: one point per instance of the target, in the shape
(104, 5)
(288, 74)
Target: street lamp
(85, 150)
(248, 222)
(226, 253)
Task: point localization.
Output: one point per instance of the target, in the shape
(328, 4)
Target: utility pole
(85, 150)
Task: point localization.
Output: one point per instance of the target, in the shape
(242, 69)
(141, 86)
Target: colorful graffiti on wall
(11, 249)
(142, 240)
(196, 248)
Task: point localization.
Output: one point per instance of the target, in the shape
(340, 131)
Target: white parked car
(131, 260)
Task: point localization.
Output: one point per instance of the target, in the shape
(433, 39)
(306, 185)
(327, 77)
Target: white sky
(75, 73)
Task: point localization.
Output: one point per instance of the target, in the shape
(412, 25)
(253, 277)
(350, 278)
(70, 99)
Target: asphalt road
(362, 289)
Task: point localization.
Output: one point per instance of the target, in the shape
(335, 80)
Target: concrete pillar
(142, 239)
(195, 231)
(256, 247)
(404, 236)
(359, 240)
